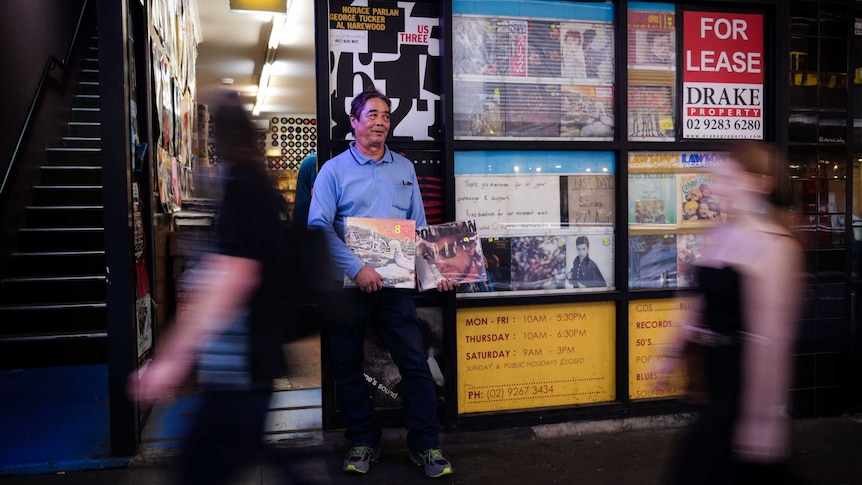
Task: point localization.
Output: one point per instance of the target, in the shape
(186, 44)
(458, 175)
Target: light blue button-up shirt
(352, 185)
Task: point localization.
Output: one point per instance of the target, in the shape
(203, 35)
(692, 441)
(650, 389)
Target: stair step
(87, 100)
(89, 74)
(82, 141)
(64, 215)
(56, 263)
(52, 318)
(46, 289)
(88, 87)
(89, 156)
(85, 113)
(74, 195)
(43, 289)
(61, 239)
(62, 350)
(85, 128)
(71, 175)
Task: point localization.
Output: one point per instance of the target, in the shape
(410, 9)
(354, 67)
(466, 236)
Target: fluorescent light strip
(275, 32)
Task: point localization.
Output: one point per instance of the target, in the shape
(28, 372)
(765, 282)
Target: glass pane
(803, 54)
(802, 127)
(803, 18)
(833, 19)
(545, 218)
(543, 70)
(833, 162)
(830, 264)
(803, 90)
(857, 215)
(833, 55)
(651, 71)
(832, 127)
(804, 196)
(833, 91)
(803, 161)
(835, 197)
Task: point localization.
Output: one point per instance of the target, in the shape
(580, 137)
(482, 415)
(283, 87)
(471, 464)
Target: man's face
(583, 250)
(372, 126)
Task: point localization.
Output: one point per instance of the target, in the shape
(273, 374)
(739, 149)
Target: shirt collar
(362, 159)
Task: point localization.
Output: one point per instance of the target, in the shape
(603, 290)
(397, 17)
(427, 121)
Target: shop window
(546, 218)
(539, 70)
(673, 200)
(651, 71)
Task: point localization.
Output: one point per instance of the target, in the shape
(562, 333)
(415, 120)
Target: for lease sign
(723, 75)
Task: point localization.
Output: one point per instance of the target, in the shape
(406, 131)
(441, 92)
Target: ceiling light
(227, 81)
(275, 30)
(258, 6)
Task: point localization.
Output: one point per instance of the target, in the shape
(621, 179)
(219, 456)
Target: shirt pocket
(403, 197)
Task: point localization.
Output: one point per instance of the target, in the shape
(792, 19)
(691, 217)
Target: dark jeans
(393, 314)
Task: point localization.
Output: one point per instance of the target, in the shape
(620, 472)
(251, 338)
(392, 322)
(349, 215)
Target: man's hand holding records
(368, 280)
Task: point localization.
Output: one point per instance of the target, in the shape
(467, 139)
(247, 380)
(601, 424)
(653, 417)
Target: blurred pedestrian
(369, 180)
(227, 329)
(747, 304)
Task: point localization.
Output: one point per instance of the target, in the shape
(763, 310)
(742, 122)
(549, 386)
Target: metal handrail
(49, 64)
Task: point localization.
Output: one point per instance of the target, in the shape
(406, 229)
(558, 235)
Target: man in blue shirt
(369, 180)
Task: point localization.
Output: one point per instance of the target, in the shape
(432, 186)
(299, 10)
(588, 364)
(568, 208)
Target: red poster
(723, 75)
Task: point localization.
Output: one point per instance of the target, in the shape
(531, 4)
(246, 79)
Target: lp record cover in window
(652, 261)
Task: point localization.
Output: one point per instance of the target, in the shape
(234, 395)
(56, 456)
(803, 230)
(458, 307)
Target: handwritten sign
(494, 199)
(591, 199)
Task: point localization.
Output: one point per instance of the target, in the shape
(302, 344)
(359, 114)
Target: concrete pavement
(632, 451)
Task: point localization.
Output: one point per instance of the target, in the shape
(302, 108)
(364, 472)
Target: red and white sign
(723, 75)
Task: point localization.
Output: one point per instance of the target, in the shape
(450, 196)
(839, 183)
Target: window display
(537, 70)
(672, 202)
(545, 218)
(651, 71)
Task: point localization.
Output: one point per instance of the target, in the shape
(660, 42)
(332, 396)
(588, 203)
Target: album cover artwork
(449, 251)
(498, 254)
(538, 262)
(533, 110)
(651, 199)
(652, 261)
(388, 245)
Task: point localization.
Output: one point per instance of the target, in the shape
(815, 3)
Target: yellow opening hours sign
(653, 327)
(535, 356)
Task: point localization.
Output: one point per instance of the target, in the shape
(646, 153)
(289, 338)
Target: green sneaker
(360, 458)
(432, 461)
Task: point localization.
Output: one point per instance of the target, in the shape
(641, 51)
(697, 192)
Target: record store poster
(396, 47)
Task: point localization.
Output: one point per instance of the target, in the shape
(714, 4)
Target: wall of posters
(535, 356)
(539, 73)
(396, 47)
(723, 75)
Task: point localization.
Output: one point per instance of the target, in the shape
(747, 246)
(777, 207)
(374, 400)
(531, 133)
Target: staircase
(52, 302)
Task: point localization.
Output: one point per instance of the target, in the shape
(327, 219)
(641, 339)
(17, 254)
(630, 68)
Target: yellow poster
(653, 326)
(535, 356)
